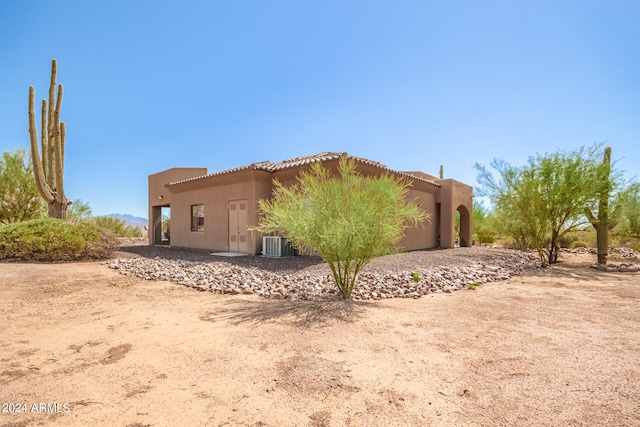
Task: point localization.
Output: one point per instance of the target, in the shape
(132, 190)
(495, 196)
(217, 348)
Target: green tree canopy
(117, 226)
(484, 229)
(539, 203)
(627, 211)
(79, 210)
(20, 200)
(348, 220)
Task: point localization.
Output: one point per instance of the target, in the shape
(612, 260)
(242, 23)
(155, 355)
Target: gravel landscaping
(404, 275)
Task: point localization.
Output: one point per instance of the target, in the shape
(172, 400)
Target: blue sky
(151, 85)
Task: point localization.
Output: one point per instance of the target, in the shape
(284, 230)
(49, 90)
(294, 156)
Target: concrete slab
(228, 254)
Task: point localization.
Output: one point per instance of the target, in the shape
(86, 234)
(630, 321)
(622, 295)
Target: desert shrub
(539, 203)
(625, 242)
(580, 243)
(79, 210)
(484, 229)
(348, 220)
(574, 240)
(50, 239)
(117, 226)
(20, 200)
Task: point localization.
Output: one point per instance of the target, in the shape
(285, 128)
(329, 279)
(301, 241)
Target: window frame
(197, 226)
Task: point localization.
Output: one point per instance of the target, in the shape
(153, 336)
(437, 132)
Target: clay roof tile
(269, 166)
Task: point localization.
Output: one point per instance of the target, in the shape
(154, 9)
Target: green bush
(626, 242)
(348, 220)
(416, 276)
(117, 226)
(50, 239)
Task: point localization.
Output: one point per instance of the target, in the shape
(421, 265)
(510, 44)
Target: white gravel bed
(406, 275)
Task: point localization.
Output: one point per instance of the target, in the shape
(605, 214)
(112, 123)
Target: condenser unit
(276, 246)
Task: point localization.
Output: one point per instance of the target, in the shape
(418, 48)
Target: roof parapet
(269, 166)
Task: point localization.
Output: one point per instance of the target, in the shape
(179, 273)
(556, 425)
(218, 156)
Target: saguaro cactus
(49, 170)
(602, 223)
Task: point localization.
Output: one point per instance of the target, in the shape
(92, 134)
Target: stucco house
(212, 211)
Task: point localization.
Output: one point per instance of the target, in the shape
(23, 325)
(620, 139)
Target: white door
(238, 226)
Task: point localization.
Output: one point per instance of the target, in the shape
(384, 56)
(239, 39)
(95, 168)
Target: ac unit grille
(276, 246)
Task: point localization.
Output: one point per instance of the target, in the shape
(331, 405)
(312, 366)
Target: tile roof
(269, 166)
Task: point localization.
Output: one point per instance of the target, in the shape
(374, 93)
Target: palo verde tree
(20, 199)
(49, 169)
(539, 203)
(627, 211)
(348, 220)
(483, 224)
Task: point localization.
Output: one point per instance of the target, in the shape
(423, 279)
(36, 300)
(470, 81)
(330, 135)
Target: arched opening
(161, 225)
(463, 226)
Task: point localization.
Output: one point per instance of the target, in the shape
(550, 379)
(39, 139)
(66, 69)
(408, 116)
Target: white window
(197, 217)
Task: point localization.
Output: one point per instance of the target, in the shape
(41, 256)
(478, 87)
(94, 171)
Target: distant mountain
(135, 221)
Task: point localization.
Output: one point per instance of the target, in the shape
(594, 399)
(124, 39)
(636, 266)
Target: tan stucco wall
(425, 235)
(246, 184)
(454, 196)
(160, 196)
(158, 180)
(421, 237)
(215, 193)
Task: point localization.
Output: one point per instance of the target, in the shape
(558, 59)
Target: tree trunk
(58, 210)
(602, 233)
(554, 250)
(553, 254)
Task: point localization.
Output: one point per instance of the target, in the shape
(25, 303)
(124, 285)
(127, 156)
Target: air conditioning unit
(276, 246)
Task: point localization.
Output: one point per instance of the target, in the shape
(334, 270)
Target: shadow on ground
(284, 265)
(298, 313)
(580, 271)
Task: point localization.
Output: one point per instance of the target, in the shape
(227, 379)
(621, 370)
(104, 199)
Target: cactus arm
(41, 182)
(44, 140)
(63, 134)
(603, 205)
(50, 133)
(59, 167)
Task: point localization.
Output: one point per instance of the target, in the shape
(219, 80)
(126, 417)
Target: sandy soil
(88, 346)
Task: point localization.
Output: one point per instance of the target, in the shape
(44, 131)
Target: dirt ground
(83, 345)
